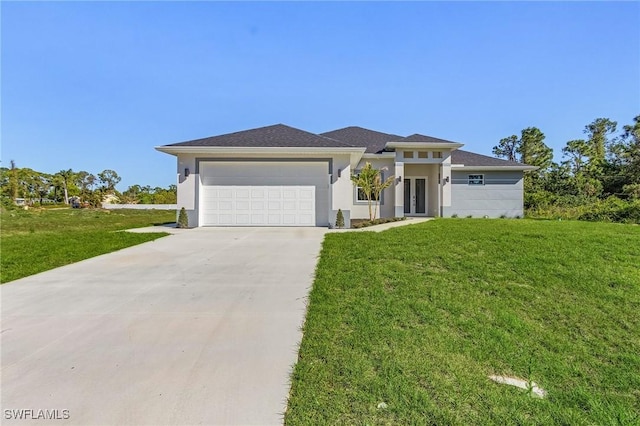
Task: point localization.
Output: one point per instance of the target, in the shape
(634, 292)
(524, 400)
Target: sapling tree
(370, 182)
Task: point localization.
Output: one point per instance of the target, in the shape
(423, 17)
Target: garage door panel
(225, 219)
(242, 205)
(288, 194)
(306, 205)
(257, 205)
(288, 219)
(242, 219)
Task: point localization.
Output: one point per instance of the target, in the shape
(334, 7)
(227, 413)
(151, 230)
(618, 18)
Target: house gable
(374, 142)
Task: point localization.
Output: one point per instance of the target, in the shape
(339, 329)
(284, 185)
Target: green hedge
(611, 209)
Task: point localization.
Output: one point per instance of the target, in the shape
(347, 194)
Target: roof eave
(176, 150)
(523, 168)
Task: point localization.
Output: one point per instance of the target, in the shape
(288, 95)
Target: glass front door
(415, 196)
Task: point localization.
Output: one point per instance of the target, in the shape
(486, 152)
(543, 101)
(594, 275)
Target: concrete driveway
(201, 327)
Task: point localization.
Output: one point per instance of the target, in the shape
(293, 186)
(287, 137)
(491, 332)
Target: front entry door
(415, 196)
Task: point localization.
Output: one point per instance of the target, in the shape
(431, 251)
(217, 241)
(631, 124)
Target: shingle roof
(467, 158)
(277, 135)
(417, 137)
(280, 135)
(358, 136)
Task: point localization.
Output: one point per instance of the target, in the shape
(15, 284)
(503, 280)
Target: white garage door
(232, 205)
(263, 193)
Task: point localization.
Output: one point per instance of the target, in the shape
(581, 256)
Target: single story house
(282, 176)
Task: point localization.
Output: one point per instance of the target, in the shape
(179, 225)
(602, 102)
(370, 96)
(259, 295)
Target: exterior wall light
(339, 172)
(186, 172)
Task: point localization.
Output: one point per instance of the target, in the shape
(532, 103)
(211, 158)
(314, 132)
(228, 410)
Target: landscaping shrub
(365, 223)
(339, 219)
(183, 220)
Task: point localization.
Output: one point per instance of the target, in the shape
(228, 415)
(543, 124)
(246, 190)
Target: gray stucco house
(282, 176)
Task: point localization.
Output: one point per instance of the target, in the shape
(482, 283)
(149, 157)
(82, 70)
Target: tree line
(36, 187)
(599, 173)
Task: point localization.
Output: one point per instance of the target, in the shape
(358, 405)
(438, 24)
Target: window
(437, 154)
(360, 195)
(476, 179)
(407, 154)
(423, 154)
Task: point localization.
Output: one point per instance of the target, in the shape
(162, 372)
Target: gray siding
(501, 194)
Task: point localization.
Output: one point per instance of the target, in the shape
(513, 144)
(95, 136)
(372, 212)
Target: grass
(419, 316)
(39, 240)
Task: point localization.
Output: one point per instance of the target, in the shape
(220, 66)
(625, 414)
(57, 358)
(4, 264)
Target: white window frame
(477, 179)
(364, 200)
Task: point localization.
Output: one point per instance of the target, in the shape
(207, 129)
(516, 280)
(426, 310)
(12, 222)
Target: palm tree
(66, 176)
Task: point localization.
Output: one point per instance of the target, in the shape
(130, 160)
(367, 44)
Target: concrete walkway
(200, 327)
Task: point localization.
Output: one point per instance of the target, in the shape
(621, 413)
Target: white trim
(365, 201)
(391, 154)
(419, 145)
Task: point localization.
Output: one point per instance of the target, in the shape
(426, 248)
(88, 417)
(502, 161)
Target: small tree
(183, 220)
(339, 219)
(370, 182)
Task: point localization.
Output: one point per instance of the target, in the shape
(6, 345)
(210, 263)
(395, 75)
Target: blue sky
(96, 85)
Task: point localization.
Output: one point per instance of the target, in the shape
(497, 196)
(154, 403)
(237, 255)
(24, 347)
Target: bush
(183, 220)
(339, 219)
(611, 209)
(632, 191)
(7, 203)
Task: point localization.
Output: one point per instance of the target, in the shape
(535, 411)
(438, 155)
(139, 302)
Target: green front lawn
(419, 316)
(39, 240)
